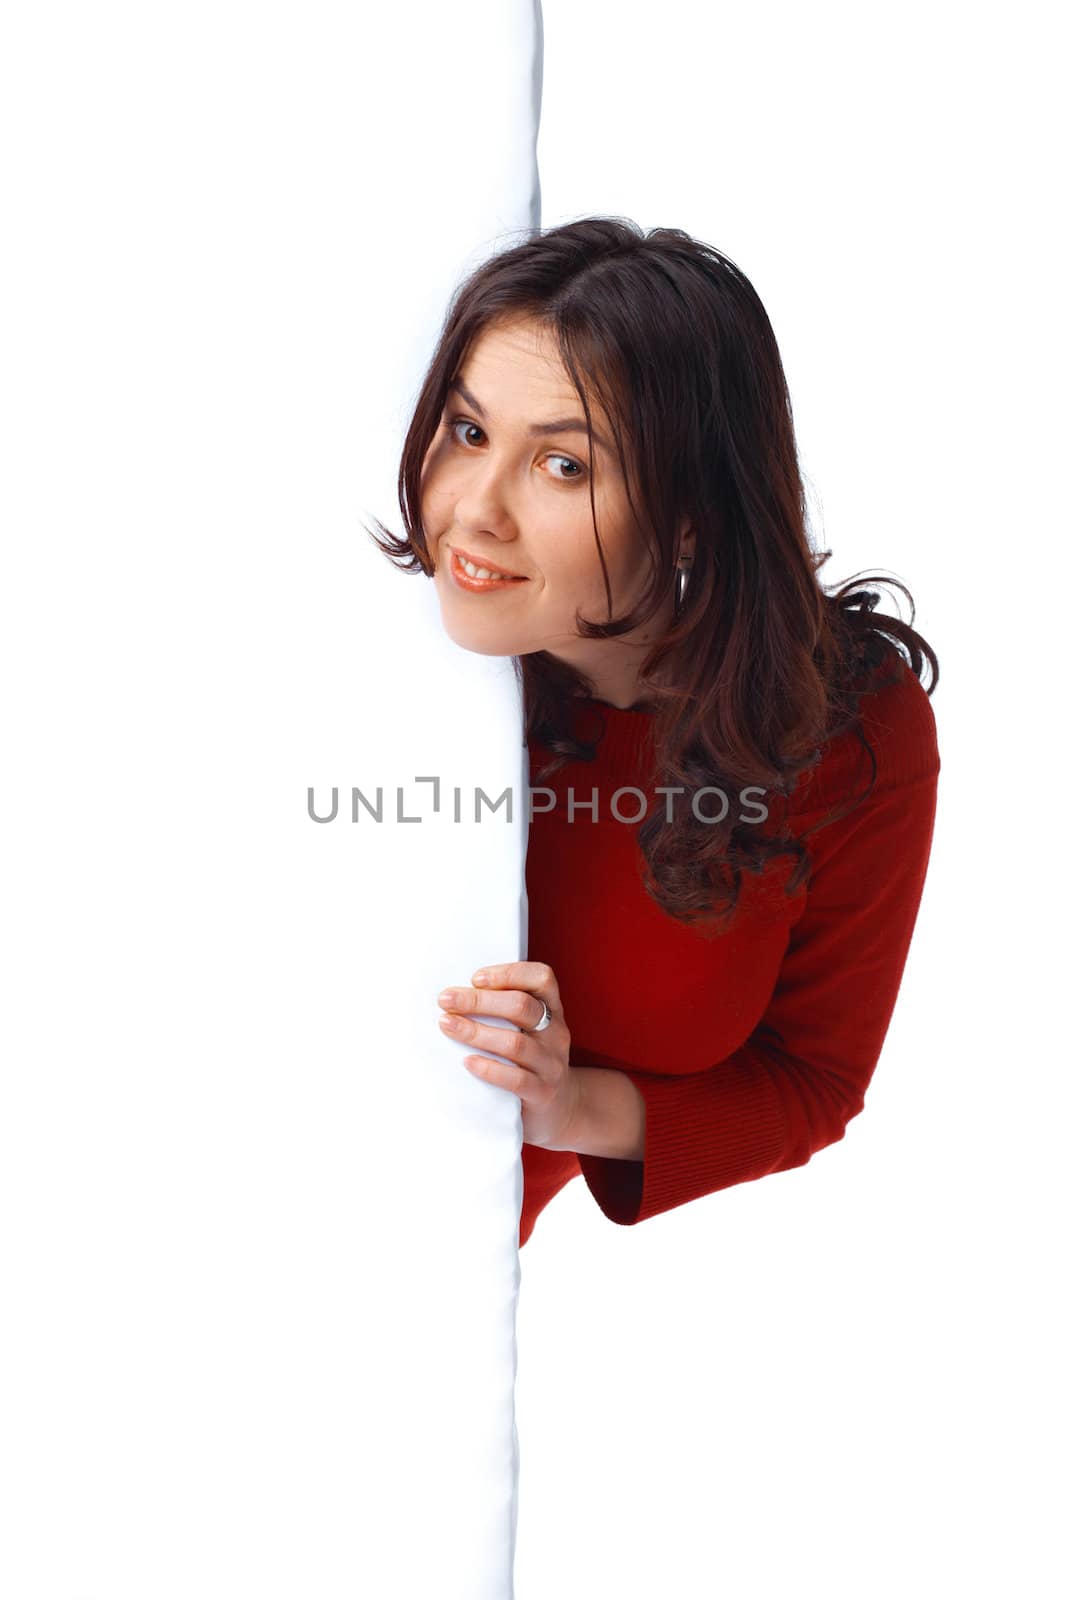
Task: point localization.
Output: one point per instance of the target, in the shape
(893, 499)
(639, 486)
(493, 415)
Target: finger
(516, 1005)
(536, 977)
(526, 1085)
(514, 1044)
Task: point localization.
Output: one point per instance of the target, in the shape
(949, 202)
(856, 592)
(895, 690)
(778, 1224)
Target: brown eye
(570, 478)
(452, 423)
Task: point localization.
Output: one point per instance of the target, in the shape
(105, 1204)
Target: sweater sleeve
(801, 1076)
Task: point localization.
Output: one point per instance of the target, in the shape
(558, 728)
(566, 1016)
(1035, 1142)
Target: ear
(687, 547)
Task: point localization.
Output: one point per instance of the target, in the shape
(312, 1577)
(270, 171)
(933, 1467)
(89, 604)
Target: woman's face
(506, 481)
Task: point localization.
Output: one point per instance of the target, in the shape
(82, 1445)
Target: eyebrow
(561, 425)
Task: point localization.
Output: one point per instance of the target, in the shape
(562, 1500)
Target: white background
(258, 1223)
(839, 1380)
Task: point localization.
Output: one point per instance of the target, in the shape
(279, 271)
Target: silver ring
(544, 1022)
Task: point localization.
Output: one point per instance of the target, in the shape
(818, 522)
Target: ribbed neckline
(624, 745)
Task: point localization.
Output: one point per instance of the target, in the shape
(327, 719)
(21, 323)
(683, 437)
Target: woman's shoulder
(899, 727)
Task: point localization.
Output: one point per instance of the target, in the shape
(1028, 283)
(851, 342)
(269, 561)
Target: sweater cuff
(704, 1131)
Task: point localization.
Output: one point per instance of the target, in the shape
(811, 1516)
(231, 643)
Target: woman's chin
(480, 641)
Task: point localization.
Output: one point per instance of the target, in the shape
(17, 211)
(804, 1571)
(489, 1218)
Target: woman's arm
(793, 1086)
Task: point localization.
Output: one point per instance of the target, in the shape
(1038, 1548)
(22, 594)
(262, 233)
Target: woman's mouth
(466, 576)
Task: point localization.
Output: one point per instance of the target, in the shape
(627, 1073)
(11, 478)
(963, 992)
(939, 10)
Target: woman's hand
(540, 1073)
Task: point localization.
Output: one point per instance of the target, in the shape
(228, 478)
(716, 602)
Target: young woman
(734, 771)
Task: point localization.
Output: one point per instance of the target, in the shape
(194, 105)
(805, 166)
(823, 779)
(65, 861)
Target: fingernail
(480, 977)
(446, 998)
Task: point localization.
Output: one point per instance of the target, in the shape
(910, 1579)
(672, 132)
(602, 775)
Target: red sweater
(754, 1050)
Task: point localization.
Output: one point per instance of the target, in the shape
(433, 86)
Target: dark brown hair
(761, 665)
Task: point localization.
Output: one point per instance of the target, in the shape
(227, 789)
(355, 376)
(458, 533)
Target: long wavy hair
(761, 665)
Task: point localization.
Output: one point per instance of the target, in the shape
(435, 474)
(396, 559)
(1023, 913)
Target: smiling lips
(480, 585)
